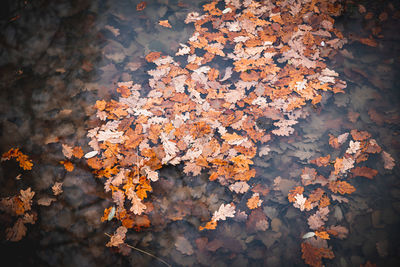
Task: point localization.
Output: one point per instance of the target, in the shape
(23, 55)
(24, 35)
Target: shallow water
(58, 58)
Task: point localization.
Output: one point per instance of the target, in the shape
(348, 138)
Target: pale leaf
(223, 212)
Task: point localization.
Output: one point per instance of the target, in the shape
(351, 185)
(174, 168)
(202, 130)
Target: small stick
(145, 252)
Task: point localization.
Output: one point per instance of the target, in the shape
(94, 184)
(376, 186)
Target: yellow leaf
(165, 23)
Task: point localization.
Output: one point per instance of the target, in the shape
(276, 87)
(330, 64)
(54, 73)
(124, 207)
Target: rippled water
(58, 57)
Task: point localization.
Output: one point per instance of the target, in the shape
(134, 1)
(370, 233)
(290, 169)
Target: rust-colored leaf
(68, 165)
(341, 187)
(142, 5)
(364, 172)
(153, 56)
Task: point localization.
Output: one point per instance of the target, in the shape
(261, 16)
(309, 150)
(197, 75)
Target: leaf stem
(145, 252)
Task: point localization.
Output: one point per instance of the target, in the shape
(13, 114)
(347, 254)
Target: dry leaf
(165, 23)
(68, 165)
(57, 188)
(341, 187)
(118, 237)
(254, 202)
(223, 212)
(77, 152)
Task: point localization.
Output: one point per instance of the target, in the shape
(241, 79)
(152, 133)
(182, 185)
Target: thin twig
(145, 252)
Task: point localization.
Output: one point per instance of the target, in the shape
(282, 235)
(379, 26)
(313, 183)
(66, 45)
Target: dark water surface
(58, 57)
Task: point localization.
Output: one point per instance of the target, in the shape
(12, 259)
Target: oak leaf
(239, 187)
(77, 152)
(388, 160)
(211, 225)
(223, 212)
(68, 165)
(151, 57)
(142, 5)
(321, 161)
(298, 190)
(313, 255)
(17, 232)
(67, 151)
(364, 172)
(322, 234)
(254, 202)
(118, 237)
(341, 187)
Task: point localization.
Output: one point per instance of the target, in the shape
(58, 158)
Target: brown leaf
(67, 151)
(57, 188)
(17, 232)
(364, 172)
(388, 161)
(254, 202)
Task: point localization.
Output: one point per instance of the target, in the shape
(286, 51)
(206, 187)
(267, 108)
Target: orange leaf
(313, 255)
(322, 234)
(298, 190)
(241, 163)
(165, 23)
(254, 202)
(213, 176)
(95, 163)
(124, 91)
(128, 223)
(100, 105)
(277, 18)
(211, 225)
(321, 161)
(341, 187)
(153, 56)
(143, 187)
(360, 135)
(68, 165)
(23, 160)
(77, 152)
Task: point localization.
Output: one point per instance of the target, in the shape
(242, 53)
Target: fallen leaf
(183, 245)
(388, 161)
(142, 5)
(67, 151)
(17, 232)
(341, 187)
(165, 23)
(57, 188)
(46, 201)
(223, 212)
(254, 202)
(364, 172)
(68, 165)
